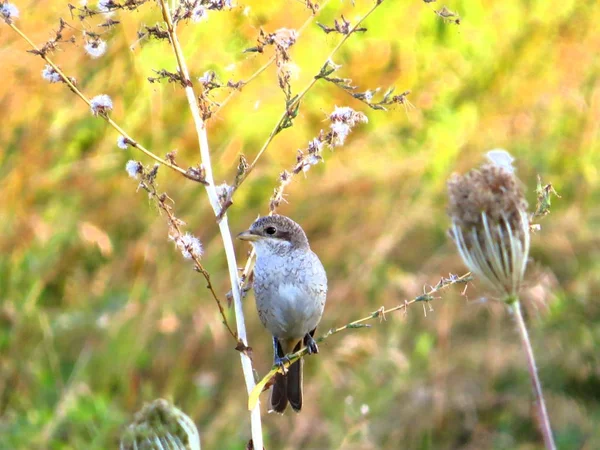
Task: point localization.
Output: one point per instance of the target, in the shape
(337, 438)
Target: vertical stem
(255, 419)
(544, 421)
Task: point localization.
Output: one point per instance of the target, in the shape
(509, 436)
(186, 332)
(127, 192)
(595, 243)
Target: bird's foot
(311, 344)
(281, 362)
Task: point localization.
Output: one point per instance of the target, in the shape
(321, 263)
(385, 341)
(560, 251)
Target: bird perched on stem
(290, 286)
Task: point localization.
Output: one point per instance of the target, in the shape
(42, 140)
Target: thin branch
(111, 122)
(250, 262)
(174, 223)
(223, 223)
(267, 64)
(540, 405)
(293, 105)
(380, 313)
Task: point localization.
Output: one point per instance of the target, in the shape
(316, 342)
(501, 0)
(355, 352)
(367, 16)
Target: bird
(290, 288)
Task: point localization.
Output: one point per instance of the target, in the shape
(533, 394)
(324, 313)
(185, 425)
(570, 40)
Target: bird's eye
(270, 230)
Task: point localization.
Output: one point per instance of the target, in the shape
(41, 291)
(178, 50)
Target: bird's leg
(280, 358)
(310, 343)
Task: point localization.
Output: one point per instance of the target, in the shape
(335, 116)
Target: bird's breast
(290, 297)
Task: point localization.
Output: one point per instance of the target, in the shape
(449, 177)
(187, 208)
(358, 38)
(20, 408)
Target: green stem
(540, 405)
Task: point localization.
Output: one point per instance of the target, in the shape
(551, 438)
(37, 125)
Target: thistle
(490, 226)
(160, 426)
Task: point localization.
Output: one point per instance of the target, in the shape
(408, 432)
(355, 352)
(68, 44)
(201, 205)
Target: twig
(293, 105)
(267, 64)
(223, 223)
(380, 313)
(174, 223)
(250, 262)
(540, 405)
(111, 122)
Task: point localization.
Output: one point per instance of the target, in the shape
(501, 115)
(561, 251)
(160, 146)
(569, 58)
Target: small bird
(290, 286)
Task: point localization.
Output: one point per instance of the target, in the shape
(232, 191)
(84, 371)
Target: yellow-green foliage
(99, 313)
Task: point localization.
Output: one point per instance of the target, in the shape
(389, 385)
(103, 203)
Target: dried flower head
(220, 4)
(101, 104)
(122, 142)
(339, 133)
(343, 119)
(189, 245)
(106, 6)
(95, 48)
(347, 115)
(133, 168)
(51, 75)
(199, 14)
(9, 12)
(285, 37)
(490, 226)
(160, 425)
(224, 193)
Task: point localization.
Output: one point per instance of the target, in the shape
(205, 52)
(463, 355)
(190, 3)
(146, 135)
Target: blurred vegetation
(99, 314)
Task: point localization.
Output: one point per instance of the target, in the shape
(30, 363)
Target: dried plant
(161, 425)
(490, 227)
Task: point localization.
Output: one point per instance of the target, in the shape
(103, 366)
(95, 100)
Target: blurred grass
(99, 314)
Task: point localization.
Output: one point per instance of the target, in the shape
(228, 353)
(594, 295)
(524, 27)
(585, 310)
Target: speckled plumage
(290, 286)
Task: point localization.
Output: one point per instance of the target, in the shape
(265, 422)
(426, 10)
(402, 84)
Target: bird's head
(278, 233)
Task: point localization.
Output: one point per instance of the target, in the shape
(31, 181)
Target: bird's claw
(281, 362)
(311, 345)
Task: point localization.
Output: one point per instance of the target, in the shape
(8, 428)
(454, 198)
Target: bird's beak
(248, 236)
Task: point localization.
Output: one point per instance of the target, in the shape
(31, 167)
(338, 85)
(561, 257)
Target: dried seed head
(122, 142)
(101, 104)
(95, 48)
(134, 168)
(490, 225)
(199, 14)
(161, 425)
(190, 246)
(285, 37)
(9, 12)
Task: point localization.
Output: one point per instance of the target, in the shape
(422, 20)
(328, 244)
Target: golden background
(99, 313)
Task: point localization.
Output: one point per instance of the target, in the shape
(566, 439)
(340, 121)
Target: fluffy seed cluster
(199, 14)
(51, 75)
(106, 6)
(224, 192)
(95, 48)
(122, 142)
(343, 119)
(9, 12)
(133, 168)
(285, 37)
(190, 246)
(101, 104)
(490, 225)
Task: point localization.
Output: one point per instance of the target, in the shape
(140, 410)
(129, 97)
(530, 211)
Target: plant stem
(250, 262)
(82, 96)
(200, 125)
(266, 65)
(359, 323)
(301, 95)
(540, 405)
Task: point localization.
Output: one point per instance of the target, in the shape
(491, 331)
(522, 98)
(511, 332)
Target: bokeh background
(100, 314)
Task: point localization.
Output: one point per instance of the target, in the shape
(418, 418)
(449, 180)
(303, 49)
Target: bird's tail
(279, 398)
(288, 387)
(294, 383)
